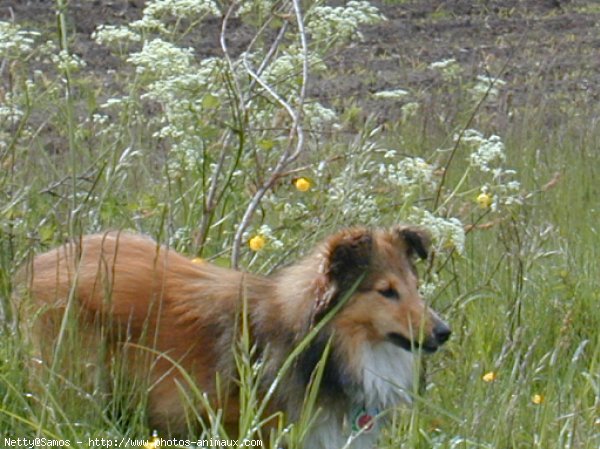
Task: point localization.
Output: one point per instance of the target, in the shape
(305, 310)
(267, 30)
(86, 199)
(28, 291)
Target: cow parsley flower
(471, 136)
(260, 7)
(409, 110)
(112, 34)
(318, 116)
(181, 8)
(489, 152)
(341, 22)
(9, 110)
(487, 156)
(449, 68)
(284, 70)
(351, 195)
(412, 175)
(486, 85)
(161, 58)
(15, 41)
(65, 61)
(148, 23)
(429, 286)
(394, 94)
(446, 233)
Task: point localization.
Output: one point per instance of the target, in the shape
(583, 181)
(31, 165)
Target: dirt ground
(540, 46)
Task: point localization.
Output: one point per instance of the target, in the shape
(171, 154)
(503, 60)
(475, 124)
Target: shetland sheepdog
(131, 291)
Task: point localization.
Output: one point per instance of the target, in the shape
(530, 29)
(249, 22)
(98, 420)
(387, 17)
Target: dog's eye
(390, 293)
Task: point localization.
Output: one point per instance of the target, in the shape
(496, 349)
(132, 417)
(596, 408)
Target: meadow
(237, 157)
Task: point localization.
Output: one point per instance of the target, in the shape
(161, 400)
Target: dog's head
(377, 268)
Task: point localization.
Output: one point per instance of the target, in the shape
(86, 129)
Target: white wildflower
(486, 86)
(471, 136)
(267, 232)
(413, 175)
(10, 114)
(504, 193)
(318, 116)
(513, 185)
(14, 41)
(260, 7)
(350, 192)
(341, 22)
(47, 48)
(181, 237)
(148, 23)
(115, 102)
(446, 233)
(428, 288)
(444, 63)
(409, 110)
(394, 94)
(99, 119)
(161, 58)
(68, 62)
(111, 35)
(180, 91)
(449, 68)
(286, 68)
(488, 156)
(488, 153)
(181, 8)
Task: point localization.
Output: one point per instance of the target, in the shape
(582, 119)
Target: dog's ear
(348, 255)
(345, 257)
(415, 239)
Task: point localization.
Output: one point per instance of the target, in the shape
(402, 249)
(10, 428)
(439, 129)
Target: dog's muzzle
(440, 334)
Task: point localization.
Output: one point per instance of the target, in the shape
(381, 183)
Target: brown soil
(539, 46)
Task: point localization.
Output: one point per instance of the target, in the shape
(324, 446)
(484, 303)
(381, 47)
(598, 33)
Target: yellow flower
(490, 376)
(198, 260)
(537, 399)
(153, 442)
(257, 242)
(484, 200)
(302, 184)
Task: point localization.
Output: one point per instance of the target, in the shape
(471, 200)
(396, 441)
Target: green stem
(70, 111)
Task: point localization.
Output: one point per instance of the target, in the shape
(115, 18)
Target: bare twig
(269, 56)
(238, 90)
(209, 201)
(291, 153)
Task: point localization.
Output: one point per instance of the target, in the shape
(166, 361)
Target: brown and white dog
(130, 290)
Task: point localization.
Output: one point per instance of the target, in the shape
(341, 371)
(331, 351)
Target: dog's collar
(363, 418)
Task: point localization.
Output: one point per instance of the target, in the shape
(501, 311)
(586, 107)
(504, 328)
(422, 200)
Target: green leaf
(210, 101)
(266, 144)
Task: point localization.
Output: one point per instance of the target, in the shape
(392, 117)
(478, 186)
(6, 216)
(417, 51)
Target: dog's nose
(442, 332)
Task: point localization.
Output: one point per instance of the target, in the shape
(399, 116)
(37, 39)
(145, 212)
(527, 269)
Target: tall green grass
(522, 300)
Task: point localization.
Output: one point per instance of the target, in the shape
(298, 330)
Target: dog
(181, 317)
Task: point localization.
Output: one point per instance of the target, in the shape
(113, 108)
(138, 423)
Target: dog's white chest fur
(387, 380)
(387, 375)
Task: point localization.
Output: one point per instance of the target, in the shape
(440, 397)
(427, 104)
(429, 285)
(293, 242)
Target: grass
(522, 299)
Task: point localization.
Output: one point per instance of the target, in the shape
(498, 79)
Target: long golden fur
(128, 289)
